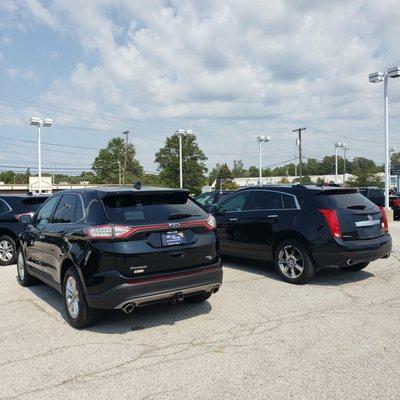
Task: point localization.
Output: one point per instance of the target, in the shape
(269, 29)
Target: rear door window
(266, 200)
(140, 209)
(289, 202)
(69, 210)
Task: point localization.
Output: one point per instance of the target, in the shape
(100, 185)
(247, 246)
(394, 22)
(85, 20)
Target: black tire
(304, 262)
(355, 267)
(198, 298)
(8, 241)
(85, 316)
(23, 276)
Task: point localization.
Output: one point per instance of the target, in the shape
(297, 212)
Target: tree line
(108, 167)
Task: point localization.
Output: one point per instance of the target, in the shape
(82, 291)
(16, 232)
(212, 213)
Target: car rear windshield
(345, 200)
(33, 203)
(139, 209)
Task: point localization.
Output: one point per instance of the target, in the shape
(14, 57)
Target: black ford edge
(120, 249)
(303, 228)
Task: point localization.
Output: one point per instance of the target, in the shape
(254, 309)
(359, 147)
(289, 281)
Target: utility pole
(126, 133)
(299, 130)
(345, 148)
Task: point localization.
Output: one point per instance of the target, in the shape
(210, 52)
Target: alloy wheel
(72, 296)
(291, 261)
(6, 251)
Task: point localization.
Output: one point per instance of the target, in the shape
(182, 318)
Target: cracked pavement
(337, 337)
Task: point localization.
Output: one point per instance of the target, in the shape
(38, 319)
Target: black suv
(120, 249)
(303, 228)
(11, 209)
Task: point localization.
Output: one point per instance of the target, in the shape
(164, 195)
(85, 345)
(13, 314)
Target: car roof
(297, 188)
(104, 191)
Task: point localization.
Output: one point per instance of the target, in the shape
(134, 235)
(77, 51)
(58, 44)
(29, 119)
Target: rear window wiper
(356, 207)
(182, 215)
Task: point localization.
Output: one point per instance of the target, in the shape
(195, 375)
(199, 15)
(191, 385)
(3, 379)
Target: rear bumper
(158, 288)
(357, 251)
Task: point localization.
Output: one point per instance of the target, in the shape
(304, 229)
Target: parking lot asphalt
(335, 338)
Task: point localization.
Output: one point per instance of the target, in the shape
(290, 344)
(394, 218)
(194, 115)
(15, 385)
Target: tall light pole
(345, 148)
(180, 133)
(261, 139)
(337, 146)
(39, 122)
(299, 130)
(126, 134)
(375, 78)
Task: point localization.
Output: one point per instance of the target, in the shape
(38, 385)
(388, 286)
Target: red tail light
(332, 220)
(385, 220)
(124, 231)
(396, 202)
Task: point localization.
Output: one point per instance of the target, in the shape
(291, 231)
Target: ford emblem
(174, 225)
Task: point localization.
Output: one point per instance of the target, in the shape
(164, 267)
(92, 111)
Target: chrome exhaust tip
(350, 261)
(215, 289)
(128, 308)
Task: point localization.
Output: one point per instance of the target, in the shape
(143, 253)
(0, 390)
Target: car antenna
(137, 185)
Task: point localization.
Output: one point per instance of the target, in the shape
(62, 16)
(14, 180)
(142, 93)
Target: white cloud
(212, 65)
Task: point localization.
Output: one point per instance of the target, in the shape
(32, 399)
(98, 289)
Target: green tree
(238, 170)
(193, 164)
(230, 185)
(253, 171)
(106, 164)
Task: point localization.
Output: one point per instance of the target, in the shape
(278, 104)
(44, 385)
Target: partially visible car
(11, 209)
(375, 194)
(394, 203)
(206, 200)
(120, 248)
(303, 228)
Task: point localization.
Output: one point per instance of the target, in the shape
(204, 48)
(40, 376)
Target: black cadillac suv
(303, 228)
(11, 209)
(120, 249)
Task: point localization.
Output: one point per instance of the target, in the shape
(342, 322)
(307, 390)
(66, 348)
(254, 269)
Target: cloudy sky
(228, 70)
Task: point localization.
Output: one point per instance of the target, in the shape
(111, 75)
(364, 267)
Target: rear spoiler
(336, 191)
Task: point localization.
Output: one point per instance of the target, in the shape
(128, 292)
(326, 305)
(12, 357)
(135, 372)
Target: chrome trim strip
(162, 296)
(368, 223)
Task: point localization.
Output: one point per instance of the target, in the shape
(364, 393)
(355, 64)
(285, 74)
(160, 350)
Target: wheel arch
(65, 265)
(290, 235)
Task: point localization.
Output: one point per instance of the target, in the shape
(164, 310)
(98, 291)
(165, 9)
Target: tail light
(332, 220)
(385, 220)
(211, 222)
(123, 231)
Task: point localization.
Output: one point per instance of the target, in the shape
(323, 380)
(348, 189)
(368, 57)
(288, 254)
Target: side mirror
(26, 219)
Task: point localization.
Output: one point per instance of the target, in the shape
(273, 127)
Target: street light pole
(345, 148)
(126, 133)
(261, 139)
(336, 166)
(375, 78)
(46, 122)
(299, 130)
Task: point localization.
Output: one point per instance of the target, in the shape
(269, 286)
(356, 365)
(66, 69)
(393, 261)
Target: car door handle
(233, 219)
(272, 216)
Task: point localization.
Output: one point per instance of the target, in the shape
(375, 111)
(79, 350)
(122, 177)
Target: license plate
(172, 238)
